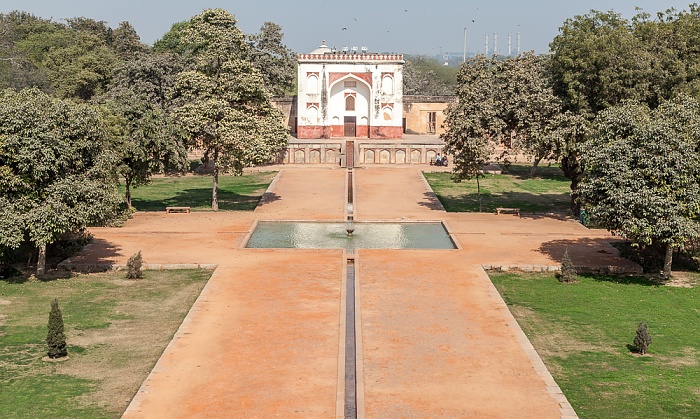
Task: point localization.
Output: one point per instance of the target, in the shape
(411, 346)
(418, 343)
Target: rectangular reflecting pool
(365, 235)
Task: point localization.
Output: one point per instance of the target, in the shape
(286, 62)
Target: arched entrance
(349, 103)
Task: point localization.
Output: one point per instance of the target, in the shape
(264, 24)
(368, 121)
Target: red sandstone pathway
(264, 338)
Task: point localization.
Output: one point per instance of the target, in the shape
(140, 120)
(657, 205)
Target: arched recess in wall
(336, 120)
(384, 156)
(387, 113)
(387, 85)
(400, 157)
(349, 103)
(430, 155)
(330, 156)
(312, 83)
(314, 156)
(299, 156)
(369, 156)
(312, 114)
(415, 156)
(339, 93)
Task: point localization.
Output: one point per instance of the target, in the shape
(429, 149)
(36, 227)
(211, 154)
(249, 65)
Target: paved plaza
(266, 337)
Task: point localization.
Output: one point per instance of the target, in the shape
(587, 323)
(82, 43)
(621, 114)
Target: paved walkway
(264, 339)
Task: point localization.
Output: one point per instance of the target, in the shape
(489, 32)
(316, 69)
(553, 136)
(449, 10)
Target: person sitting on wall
(437, 160)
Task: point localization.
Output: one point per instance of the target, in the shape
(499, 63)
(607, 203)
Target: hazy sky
(410, 27)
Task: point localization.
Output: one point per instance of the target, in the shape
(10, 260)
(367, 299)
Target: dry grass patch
(115, 330)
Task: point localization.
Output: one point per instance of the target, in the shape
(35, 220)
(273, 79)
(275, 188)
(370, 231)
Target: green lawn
(547, 191)
(582, 331)
(115, 328)
(235, 193)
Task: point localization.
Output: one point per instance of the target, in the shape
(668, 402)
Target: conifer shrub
(134, 265)
(568, 271)
(643, 338)
(56, 339)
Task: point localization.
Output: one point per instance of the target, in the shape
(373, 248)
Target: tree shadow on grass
(527, 202)
(199, 199)
(25, 273)
(596, 255)
(522, 172)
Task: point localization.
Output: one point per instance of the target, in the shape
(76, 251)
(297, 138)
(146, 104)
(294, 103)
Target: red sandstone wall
(386, 132)
(361, 131)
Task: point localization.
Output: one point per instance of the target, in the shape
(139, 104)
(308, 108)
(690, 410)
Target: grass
(235, 193)
(115, 328)
(548, 191)
(584, 333)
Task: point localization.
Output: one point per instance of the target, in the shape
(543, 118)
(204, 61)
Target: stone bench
(515, 211)
(168, 210)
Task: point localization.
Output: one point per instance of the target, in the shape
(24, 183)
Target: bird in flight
(344, 29)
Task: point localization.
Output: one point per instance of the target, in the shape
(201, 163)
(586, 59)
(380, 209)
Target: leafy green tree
(149, 141)
(126, 42)
(56, 168)
(276, 62)
(597, 62)
(426, 76)
(172, 40)
(224, 106)
(643, 173)
(527, 108)
(56, 338)
(468, 137)
(17, 70)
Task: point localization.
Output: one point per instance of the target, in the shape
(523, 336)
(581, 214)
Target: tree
(224, 107)
(568, 270)
(16, 69)
(527, 107)
(426, 76)
(467, 135)
(126, 42)
(172, 40)
(55, 338)
(56, 159)
(273, 59)
(134, 265)
(643, 173)
(597, 62)
(149, 141)
(642, 339)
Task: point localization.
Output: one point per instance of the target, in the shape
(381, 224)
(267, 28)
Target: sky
(428, 27)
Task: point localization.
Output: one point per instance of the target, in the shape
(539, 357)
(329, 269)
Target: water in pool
(365, 235)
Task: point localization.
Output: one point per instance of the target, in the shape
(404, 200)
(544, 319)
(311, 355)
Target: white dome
(322, 49)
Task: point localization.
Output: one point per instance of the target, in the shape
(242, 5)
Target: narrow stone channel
(350, 347)
(350, 408)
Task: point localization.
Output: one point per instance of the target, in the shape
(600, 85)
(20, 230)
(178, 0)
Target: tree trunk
(127, 198)
(214, 191)
(478, 190)
(534, 166)
(215, 188)
(573, 170)
(41, 263)
(668, 259)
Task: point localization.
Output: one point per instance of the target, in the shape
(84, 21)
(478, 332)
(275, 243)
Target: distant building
(425, 115)
(349, 93)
